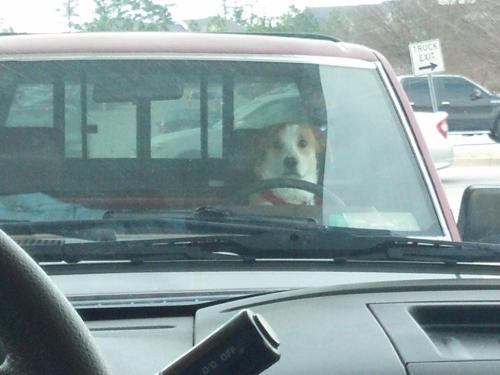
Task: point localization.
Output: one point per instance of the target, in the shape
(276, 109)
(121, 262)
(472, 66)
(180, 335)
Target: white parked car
(434, 127)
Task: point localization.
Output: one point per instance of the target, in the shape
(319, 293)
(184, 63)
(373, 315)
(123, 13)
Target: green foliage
(237, 15)
(256, 24)
(193, 26)
(216, 24)
(128, 15)
(295, 20)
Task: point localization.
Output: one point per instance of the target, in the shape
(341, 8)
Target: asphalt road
(477, 161)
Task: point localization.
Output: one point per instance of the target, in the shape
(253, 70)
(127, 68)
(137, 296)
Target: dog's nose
(290, 162)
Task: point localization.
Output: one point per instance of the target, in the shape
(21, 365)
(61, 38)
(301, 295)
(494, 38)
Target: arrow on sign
(431, 66)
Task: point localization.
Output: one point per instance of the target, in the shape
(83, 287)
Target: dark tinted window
(417, 90)
(457, 89)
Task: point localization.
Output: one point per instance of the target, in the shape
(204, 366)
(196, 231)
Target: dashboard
(400, 327)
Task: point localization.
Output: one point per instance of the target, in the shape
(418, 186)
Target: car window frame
(407, 81)
(414, 146)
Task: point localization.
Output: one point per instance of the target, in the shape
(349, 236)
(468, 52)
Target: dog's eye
(302, 143)
(277, 145)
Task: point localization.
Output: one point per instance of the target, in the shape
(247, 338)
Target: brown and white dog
(291, 151)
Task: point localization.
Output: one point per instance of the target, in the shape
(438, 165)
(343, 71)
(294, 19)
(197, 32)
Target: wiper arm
(222, 214)
(440, 251)
(203, 220)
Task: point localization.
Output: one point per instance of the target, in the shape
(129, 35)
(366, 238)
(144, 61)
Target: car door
(417, 89)
(468, 105)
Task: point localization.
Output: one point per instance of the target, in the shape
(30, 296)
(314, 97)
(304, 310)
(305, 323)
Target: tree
(255, 23)
(194, 26)
(5, 28)
(216, 24)
(237, 15)
(338, 25)
(129, 15)
(295, 20)
(68, 10)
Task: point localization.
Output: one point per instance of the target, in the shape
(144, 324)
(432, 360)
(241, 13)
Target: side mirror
(476, 94)
(479, 217)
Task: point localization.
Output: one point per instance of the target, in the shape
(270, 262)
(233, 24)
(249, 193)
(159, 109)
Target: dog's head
(288, 150)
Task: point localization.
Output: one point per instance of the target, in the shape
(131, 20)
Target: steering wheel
(282, 182)
(39, 328)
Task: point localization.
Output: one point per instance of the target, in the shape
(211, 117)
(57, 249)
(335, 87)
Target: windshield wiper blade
(188, 248)
(319, 242)
(204, 220)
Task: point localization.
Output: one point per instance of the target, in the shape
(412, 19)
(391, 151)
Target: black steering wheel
(283, 182)
(39, 328)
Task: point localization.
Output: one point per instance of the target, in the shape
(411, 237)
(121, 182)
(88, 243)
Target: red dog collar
(269, 196)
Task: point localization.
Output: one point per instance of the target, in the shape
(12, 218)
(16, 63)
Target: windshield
(83, 138)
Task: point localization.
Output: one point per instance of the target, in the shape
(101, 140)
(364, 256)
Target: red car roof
(170, 42)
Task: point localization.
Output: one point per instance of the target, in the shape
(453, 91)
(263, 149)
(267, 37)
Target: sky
(42, 15)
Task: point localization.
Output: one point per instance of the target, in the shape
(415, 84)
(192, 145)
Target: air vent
(461, 331)
(442, 332)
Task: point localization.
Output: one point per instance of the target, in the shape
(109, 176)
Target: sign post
(426, 59)
(432, 91)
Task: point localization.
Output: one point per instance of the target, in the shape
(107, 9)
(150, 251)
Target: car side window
(111, 128)
(417, 90)
(176, 124)
(457, 89)
(32, 106)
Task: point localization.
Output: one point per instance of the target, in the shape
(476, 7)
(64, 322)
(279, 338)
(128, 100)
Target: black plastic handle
(245, 345)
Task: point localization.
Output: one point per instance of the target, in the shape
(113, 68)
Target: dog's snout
(290, 162)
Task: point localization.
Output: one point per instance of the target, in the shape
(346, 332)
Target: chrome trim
(431, 238)
(305, 59)
(418, 155)
(471, 132)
